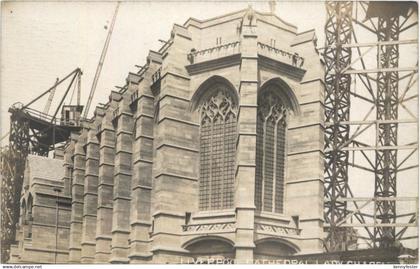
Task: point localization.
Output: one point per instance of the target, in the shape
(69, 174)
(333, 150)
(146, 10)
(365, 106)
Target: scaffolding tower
(31, 132)
(368, 74)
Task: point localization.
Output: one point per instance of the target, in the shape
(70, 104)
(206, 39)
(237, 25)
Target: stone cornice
(285, 69)
(214, 64)
(288, 70)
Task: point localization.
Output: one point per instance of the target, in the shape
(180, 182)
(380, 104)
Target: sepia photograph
(209, 132)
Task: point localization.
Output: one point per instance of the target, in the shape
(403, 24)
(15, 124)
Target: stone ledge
(174, 250)
(53, 207)
(119, 230)
(90, 193)
(170, 73)
(310, 219)
(77, 183)
(144, 187)
(140, 136)
(304, 180)
(89, 243)
(77, 168)
(57, 184)
(119, 260)
(60, 251)
(90, 158)
(91, 174)
(311, 102)
(105, 128)
(140, 223)
(141, 115)
(122, 132)
(51, 226)
(142, 160)
(89, 215)
(166, 213)
(305, 126)
(313, 80)
(213, 214)
(285, 69)
(250, 208)
(145, 95)
(106, 163)
(273, 216)
(177, 176)
(118, 172)
(102, 146)
(101, 183)
(104, 207)
(121, 151)
(305, 152)
(165, 144)
(118, 197)
(175, 97)
(103, 237)
(140, 255)
(213, 64)
(179, 121)
(246, 134)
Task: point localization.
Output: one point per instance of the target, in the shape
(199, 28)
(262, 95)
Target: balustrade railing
(277, 229)
(280, 55)
(209, 227)
(214, 52)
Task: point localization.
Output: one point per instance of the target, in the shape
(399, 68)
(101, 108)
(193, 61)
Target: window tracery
(270, 153)
(218, 118)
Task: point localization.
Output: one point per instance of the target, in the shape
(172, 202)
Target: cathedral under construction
(213, 150)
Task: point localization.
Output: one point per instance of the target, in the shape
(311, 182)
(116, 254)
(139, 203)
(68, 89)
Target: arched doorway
(211, 250)
(274, 249)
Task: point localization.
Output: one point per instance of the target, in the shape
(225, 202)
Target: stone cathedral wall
(132, 173)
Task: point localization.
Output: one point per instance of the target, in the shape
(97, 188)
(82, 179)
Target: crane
(38, 139)
(101, 62)
(50, 98)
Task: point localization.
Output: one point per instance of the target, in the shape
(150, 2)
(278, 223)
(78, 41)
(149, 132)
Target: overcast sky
(41, 41)
(45, 40)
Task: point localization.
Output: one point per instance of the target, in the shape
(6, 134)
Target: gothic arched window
(218, 133)
(270, 153)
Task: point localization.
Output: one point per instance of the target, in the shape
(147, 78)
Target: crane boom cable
(73, 90)
(4, 136)
(101, 62)
(50, 98)
(79, 87)
(50, 89)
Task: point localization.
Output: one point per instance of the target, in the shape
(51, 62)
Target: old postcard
(209, 132)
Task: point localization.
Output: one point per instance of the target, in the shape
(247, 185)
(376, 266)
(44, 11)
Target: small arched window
(218, 134)
(270, 152)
